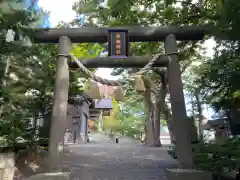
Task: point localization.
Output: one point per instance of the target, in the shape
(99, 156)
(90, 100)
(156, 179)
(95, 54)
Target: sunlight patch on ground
(100, 153)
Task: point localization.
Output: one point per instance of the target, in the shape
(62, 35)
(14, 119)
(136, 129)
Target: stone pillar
(179, 114)
(84, 121)
(78, 130)
(74, 131)
(100, 122)
(59, 108)
(84, 127)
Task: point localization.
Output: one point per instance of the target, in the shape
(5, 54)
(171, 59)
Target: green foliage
(169, 2)
(236, 95)
(217, 78)
(27, 77)
(127, 119)
(20, 71)
(86, 50)
(229, 19)
(218, 156)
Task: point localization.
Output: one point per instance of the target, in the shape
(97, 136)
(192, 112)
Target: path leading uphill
(108, 161)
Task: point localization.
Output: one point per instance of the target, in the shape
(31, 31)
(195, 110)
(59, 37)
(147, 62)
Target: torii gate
(66, 36)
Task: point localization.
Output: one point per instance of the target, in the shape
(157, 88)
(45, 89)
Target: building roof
(105, 103)
(212, 124)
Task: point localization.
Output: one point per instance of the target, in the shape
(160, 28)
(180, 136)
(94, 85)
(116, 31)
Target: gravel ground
(117, 162)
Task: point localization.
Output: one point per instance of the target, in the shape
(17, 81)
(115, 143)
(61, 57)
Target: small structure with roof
(219, 126)
(78, 115)
(102, 107)
(82, 108)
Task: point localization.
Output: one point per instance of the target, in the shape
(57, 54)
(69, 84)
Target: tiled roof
(105, 103)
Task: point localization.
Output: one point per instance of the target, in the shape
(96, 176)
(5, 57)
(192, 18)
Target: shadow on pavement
(125, 163)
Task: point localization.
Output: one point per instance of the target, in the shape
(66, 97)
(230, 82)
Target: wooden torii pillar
(179, 114)
(64, 36)
(59, 107)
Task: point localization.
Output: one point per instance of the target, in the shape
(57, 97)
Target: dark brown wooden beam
(130, 62)
(136, 34)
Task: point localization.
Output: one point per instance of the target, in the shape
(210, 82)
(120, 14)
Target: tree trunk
(157, 124)
(149, 127)
(160, 103)
(200, 116)
(168, 118)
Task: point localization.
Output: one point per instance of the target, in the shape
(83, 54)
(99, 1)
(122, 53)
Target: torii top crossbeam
(136, 34)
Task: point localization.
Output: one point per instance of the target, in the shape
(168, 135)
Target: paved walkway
(106, 161)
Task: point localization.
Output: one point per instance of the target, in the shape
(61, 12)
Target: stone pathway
(108, 161)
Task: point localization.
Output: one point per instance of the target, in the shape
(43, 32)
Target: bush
(216, 156)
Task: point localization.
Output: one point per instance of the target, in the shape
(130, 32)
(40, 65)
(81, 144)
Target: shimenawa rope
(101, 80)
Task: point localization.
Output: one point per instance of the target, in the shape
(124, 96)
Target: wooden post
(180, 124)
(59, 109)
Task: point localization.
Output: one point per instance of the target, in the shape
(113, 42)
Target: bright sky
(61, 10)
